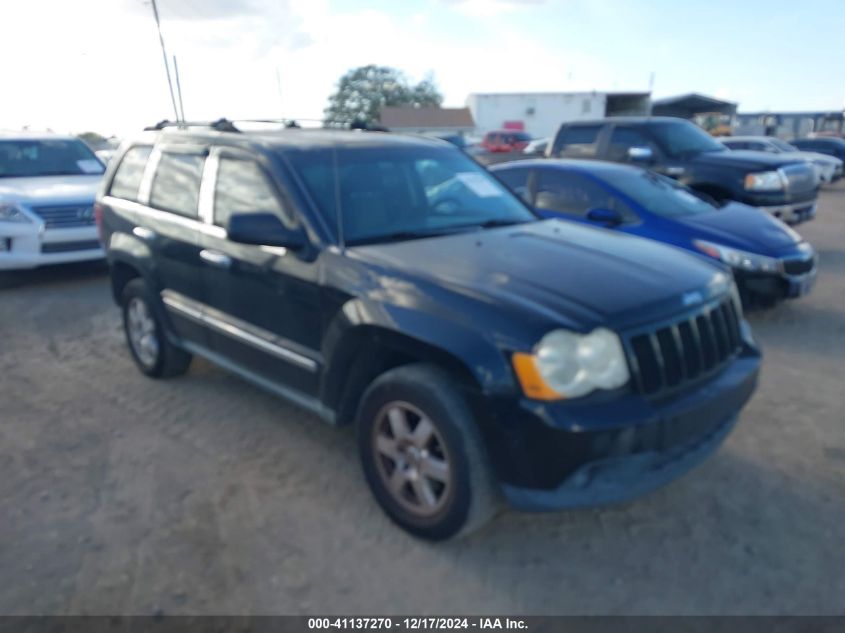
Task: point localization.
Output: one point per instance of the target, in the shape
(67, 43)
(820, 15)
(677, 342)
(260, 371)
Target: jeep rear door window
(176, 185)
(578, 141)
(24, 158)
(243, 187)
(624, 138)
(404, 193)
(128, 177)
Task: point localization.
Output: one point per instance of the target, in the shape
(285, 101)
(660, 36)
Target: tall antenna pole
(178, 88)
(164, 57)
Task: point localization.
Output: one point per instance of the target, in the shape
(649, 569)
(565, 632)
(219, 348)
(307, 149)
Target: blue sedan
(770, 261)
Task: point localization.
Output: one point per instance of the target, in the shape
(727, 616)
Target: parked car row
(828, 168)
(503, 334)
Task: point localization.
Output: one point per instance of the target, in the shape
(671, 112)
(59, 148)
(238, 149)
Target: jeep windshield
(25, 158)
(680, 139)
(400, 193)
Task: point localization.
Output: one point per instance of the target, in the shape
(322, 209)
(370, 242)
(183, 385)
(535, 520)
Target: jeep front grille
(669, 356)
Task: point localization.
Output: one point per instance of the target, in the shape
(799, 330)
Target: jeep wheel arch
(363, 327)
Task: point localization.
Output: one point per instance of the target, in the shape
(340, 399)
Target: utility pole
(178, 88)
(164, 57)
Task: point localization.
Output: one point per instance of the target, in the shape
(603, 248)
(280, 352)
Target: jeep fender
(418, 334)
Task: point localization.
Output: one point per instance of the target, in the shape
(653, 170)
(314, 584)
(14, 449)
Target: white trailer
(541, 113)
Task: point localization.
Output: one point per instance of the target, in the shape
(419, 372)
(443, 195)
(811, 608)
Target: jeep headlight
(736, 258)
(765, 181)
(566, 364)
(12, 213)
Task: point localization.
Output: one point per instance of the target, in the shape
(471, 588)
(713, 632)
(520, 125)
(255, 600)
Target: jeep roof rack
(227, 125)
(221, 125)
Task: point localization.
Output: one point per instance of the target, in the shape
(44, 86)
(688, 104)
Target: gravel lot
(205, 495)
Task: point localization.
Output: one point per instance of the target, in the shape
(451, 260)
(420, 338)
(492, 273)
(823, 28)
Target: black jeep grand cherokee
(393, 282)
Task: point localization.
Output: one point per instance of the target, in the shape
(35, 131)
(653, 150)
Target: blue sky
(773, 54)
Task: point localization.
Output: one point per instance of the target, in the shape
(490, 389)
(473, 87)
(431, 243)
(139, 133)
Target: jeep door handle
(148, 235)
(216, 258)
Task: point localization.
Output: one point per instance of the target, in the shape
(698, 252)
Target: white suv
(47, 189)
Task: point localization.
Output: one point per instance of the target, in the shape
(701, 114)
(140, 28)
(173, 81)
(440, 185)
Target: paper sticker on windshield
(478, 184)
(90, 166)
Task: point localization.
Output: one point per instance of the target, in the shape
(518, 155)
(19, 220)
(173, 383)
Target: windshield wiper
(66, 173)
(397, 236)
(488, 224)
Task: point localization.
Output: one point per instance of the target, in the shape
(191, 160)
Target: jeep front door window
(243, 187)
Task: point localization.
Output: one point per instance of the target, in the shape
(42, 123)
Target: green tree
(362, 92)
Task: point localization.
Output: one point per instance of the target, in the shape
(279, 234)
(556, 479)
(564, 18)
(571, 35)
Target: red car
(505, 141)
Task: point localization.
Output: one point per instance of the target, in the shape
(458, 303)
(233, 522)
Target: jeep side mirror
(640, 154)
(605, 217)
(264, 229)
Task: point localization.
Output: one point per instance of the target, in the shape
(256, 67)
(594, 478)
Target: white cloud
(105, 73)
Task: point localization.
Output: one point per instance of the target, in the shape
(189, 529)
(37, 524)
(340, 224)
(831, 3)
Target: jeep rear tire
(154, 355)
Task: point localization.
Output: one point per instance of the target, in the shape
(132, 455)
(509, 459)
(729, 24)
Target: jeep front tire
(422, 453)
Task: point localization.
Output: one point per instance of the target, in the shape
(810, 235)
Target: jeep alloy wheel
(412, 458)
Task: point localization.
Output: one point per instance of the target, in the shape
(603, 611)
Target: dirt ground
(205, 495)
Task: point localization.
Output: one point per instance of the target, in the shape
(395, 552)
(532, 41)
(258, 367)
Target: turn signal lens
(530, 380)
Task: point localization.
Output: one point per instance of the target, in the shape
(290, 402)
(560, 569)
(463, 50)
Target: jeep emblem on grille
(690, 298)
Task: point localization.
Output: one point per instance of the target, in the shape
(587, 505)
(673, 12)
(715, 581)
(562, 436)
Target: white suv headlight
(765, 181)
(566, 364)
(12, 213)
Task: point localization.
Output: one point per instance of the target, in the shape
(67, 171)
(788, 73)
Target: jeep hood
(49, 189)
(559, 270)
